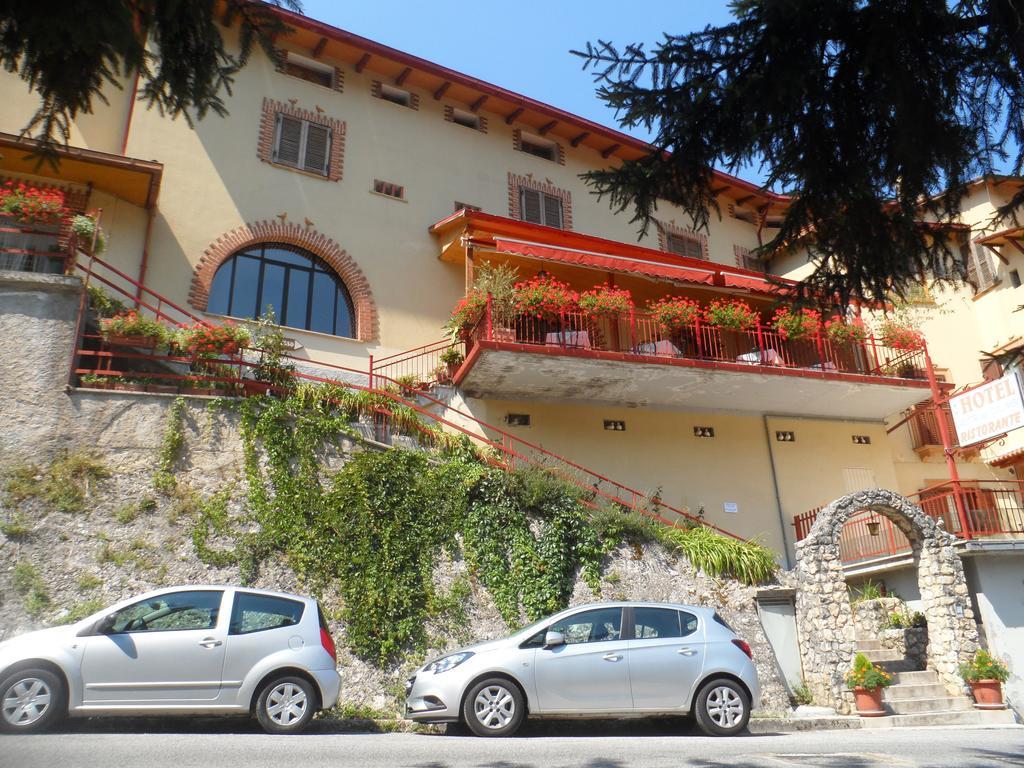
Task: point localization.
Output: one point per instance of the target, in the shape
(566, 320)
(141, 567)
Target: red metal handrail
(994, 508)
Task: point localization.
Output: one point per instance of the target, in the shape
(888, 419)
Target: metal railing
(231, 375)
(34, 247)
(993, 508)
(422, 365)
(640, 335)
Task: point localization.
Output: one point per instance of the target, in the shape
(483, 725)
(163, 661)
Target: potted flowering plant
(840, 331)
(30, 205)
(793, 324)
(901, 336)
(84, 231)
(606, 301)
(95, 381)
(734, 314)
(867, 680)
(452, 358)
(209, 341)
(130, 329)
(544, 298)
(985, 674)
(674, 312)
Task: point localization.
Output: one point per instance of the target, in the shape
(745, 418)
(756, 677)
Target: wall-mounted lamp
(785, 436)
(862, 439)
(614, 426)
(703, 431)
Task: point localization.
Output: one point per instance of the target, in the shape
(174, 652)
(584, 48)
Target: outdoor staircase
(917, 697)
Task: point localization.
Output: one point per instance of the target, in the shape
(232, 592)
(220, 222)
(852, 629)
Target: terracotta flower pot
(146, 342)
(255, 387)
(201, 391)
(988, 694)
(869, 702)
(162, 389)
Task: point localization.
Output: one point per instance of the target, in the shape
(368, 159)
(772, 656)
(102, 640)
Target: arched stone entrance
(825, 619)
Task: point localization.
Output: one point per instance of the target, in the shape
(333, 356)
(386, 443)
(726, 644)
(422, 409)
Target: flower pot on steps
(988, 694)
(869, 702)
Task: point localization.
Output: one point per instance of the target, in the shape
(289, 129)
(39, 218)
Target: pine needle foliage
(872, 114)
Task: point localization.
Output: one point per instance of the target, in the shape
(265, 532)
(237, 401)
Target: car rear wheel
(286, 705)
(494, 707)
(31, 700)
(722, 708)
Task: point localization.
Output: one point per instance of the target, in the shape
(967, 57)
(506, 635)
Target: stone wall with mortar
(872, 620)
(99, 555)
(823, 605)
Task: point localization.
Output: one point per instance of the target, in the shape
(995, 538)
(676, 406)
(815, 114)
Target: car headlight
(448, 662)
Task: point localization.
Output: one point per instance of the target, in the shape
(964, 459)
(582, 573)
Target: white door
(163, 650)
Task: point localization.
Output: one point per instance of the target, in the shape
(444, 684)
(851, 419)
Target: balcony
(993, 510)
(629, 359)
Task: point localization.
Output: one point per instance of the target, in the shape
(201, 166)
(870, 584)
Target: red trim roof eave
(468, 81)
(560, 239)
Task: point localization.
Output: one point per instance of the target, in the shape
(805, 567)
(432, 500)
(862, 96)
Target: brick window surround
(449, 116)
(365, 308)
(268, 121)
(517, 182)
(670, 228)
(337, 81)
(414, 98)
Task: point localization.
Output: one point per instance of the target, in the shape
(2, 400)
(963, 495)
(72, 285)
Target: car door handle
(209, 642)
(612, 657)
(686, 652)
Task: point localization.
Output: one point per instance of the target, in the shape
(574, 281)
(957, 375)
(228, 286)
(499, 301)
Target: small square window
(517, 419)
(1015, 278)
(395, 95)
(785, 436)
(302, 144)
(467, 119)
(309, 70)
(703, 431)
(540, 208)
(614, 426)
(389, 189)
(681, 245)
(862, 439)
(535, 145)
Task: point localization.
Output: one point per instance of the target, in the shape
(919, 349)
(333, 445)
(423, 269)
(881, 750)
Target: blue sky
(523, 46)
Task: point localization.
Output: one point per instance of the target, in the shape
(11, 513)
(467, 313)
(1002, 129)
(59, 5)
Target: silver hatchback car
(195, 650)
(601, 660)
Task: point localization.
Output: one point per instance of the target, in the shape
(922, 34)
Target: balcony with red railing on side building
(925, 434)
(993, 510)
(578, 318)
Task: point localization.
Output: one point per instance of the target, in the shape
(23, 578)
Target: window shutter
(289, 140)
(530, 206)
(980, 269)
(552, 211)
(318, 148)
(684, 246)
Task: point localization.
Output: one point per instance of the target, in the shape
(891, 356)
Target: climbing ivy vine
(374, 529)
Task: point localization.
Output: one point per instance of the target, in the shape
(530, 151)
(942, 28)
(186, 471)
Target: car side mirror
(553, 639)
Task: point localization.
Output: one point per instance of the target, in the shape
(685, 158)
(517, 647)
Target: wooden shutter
(530, 206)
(552, 211)
(289, 141)
(980, 269)
(318, 148)
(684, 246)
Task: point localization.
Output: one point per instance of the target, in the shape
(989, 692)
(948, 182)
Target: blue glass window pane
(220, 290)
(273, 290)
(286, 256)
(343, 322)
(298, 298)
(324, 290)
(246, 283)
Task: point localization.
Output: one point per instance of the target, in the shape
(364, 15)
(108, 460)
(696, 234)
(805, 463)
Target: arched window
(302, 289)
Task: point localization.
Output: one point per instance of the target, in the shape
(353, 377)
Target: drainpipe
(145, 255)
(947, 446)
(778, 496)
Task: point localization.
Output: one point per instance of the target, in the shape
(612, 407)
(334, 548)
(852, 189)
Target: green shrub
(79, 611)
(869, 590)
(17, 527)
(718, 555)
(104, 305)
(25, 481)
(88, 581)
(802, 695)
(984, 666)
(30, 586)
(615, 524)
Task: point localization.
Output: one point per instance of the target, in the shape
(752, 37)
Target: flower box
(162, 389)
(117, 340)
(197, 391)
(254, 388)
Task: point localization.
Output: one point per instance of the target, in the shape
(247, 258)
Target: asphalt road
(239, 745)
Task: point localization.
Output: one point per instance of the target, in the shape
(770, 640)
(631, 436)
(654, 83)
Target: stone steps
(917, 677)
(937, 705)
(902, 691)
(869, 645)
(966, 717)
(898, 666)
(883, 654)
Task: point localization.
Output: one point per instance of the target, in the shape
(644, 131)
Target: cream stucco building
(357, 188)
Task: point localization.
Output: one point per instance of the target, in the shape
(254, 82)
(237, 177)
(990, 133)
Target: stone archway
(825, 618)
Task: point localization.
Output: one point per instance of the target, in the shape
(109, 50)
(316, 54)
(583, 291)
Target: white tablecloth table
(768, 357)
(662, 348)
(574, 339)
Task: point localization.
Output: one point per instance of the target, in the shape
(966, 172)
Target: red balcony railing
(34, 247)
(640, 335)
(993, 508)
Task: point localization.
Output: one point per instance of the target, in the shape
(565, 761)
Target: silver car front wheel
(494, 707)
(30, 700)
(286, 705)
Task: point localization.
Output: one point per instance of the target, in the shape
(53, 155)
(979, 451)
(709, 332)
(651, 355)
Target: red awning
(606, 262)
(748, 282)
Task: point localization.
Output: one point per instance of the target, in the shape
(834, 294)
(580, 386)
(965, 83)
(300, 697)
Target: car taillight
(328, 643)
(744, 646)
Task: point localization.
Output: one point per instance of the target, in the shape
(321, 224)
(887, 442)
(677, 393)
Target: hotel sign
(988, 411)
